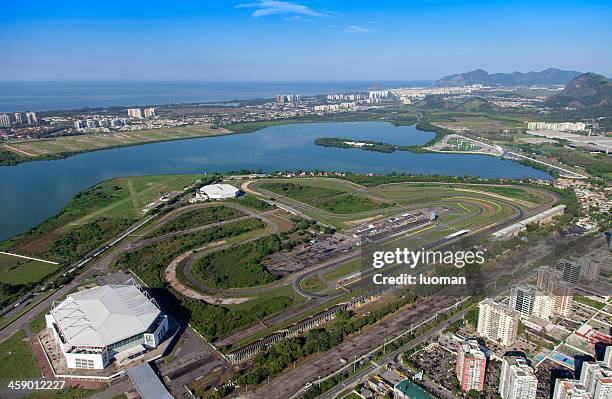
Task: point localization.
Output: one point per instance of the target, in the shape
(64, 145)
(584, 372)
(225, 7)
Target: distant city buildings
(18, 118)
(31, 117)
(334, 107)
(562, 126)
(471, 366)
(5, 120)
(517, 379)
(348, 97)
(287, 98)
(134, 113)
(497, 322)
(378, 94)
(595, 381)
(149, 113)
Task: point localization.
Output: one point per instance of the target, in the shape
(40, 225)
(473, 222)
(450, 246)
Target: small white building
(94, 326)
(217, 191)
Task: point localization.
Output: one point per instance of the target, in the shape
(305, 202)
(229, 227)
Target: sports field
(15, 270)
(92, 142)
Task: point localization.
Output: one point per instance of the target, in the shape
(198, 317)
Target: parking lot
(317, 248)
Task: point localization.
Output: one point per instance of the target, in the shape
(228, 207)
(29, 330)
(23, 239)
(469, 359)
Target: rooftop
(104, 315)
(219, 189)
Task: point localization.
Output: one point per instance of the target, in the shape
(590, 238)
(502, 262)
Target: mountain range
(550, 76)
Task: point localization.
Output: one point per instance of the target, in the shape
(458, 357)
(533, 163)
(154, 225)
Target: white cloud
(356, 29)
(274, 7)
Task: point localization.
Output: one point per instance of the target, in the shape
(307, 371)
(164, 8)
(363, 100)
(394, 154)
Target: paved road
(357, 378)
(368, 339)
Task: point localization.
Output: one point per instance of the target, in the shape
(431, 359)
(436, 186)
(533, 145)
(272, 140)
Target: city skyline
(261, 40)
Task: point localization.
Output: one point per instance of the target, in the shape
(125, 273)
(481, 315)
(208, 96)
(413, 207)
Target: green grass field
(198, 217)
(91, 142)
(17, 359)
(15, 270)
(113, 201)
(238, 267)
(333, 200)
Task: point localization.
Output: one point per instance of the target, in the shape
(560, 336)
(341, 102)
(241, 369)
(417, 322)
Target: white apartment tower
(5, 121)
(134, 112)
(149, 112)
(497, 323)
(595, 381)
(31, 117)
(517, 379)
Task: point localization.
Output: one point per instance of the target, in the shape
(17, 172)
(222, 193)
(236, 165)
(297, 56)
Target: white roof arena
(104, 315)
(220, 190)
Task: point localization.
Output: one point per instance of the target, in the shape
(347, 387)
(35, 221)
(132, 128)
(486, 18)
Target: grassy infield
(123, 197)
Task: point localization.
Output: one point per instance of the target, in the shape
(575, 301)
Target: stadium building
(216, 192)
(112, 322)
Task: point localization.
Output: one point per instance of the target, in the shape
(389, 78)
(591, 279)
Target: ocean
(51, 96)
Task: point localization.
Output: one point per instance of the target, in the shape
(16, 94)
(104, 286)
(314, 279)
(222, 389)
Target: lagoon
(32, 192)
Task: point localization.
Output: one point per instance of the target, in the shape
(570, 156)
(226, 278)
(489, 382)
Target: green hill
(586, 90)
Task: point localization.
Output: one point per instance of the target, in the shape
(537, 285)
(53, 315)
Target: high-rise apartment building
(149, 112)
(589, 269)
(497, 322)
(471, 366)
(522, 297)
(18, 118)
(5, 120)
(550, 281)
(517, 379)
(595, 381)
(31, 117)
(570, 271)
(134, 112)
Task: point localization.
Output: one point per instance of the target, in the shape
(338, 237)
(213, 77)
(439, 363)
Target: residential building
(377, 94)
(134, 113)
(522, 298)
(550, 281)
(497, 322)
(79, 124)
(589, 270)
(570, 271)
(91, 124)
(562, 126)
(5, 121)
(149, 113)
(471, 366)
(543, 305)
(31, 117)
(517, 379)
(595, 381)
(18, 118)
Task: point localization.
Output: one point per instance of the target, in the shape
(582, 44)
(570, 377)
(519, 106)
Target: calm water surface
(32, 192)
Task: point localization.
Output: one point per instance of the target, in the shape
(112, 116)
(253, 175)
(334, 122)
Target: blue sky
(227, 40)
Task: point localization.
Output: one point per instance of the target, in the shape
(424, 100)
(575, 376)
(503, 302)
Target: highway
(16, 325)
